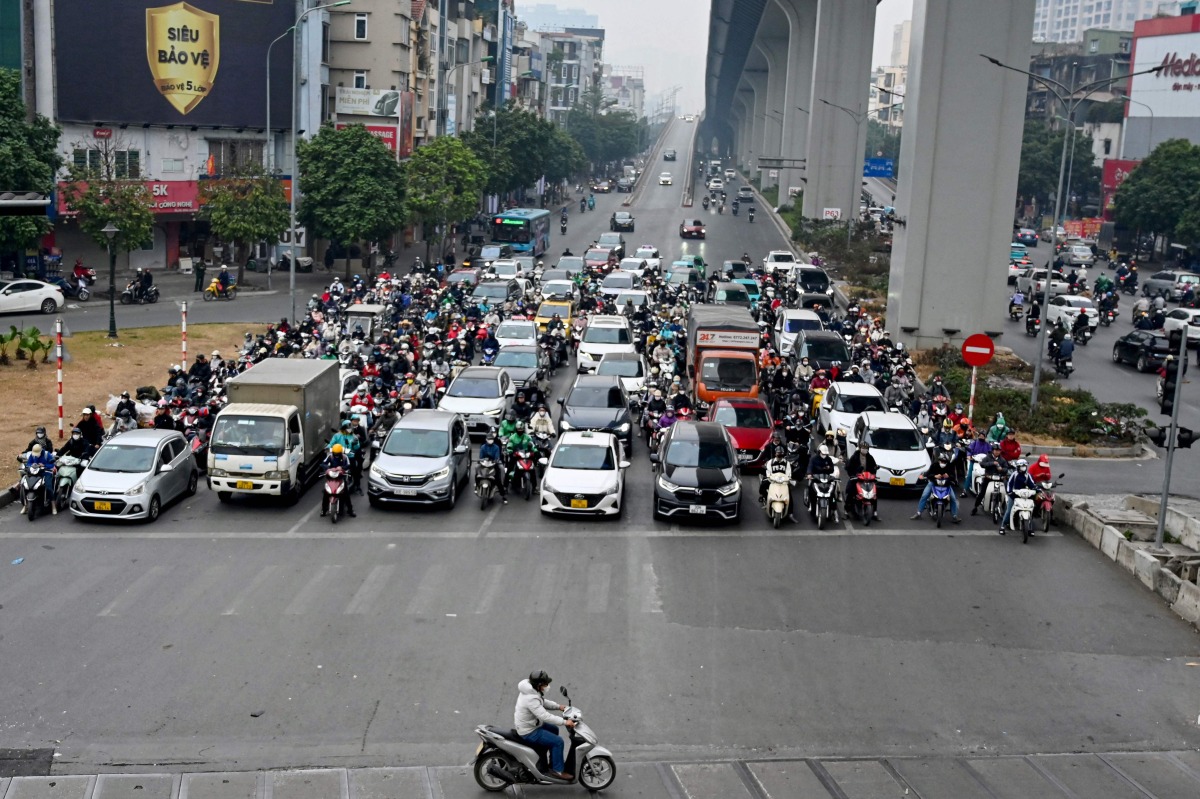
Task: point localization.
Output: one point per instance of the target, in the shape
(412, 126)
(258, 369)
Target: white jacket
(531, 711)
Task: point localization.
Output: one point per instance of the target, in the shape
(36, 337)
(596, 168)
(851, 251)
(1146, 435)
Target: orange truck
(722, 354)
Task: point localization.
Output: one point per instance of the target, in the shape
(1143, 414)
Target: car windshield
(616, 281)
(493, 291)
(520, 360)
(571, 264)
(1080, 302)
(597, 397)
(850, 403)
(588, 458)
(409, 443)
(620, 368)
(516, 330)
(506, 270)
(596, 255)
(781, 258)
(548, 309)
(556, 276)
(732, 296)
(741, 417)
(461, 277)
(257, 435)
(477, 387)
(728, 374)
(901, 439)
(682, 276)
(811, 281)
(698, 455)
(631, 298)
(558, 288)
(606, 335)
(623, 216)
(609, 239)
(693, 223)
(123, 459)
(826, 350)
(643, 252)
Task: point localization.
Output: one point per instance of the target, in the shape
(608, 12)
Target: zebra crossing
(249, 590)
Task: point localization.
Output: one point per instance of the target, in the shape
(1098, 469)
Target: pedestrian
(198, 270)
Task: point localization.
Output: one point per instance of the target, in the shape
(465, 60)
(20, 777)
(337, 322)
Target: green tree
(1161, 194)
(564, 157)
(1041, 152)
(512, 143)
(882, 141)
(29, 161)
(108, 187)
(243, 208)
(352, 187)
(444, 179)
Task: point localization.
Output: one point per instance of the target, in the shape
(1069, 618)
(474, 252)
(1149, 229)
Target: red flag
(210, 166)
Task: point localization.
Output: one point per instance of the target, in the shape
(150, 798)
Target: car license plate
(407, 492)
(102, 506)
(579, 503)
(697, 509)
(896, 481)
(245, 485)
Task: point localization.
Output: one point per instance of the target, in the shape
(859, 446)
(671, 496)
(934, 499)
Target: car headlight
(217, 473)
(623, 428)
(375, 470)
(493, 412)
(729, 489)
(276, 475)
(140, 488)
(440, 473)
(616, 487)
(668, 485)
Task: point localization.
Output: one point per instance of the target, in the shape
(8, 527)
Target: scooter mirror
(1061, 476)
(562, 689)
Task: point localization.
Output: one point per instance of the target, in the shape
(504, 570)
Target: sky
(671, 43)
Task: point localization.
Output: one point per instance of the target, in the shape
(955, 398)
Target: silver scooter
(504, 759)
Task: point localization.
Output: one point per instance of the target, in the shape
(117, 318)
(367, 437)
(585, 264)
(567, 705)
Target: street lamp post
(1149, 144)
(295, 161)
(446, 89)
(1070, 105)
(110, 230)
(270, 139)
(859, 118)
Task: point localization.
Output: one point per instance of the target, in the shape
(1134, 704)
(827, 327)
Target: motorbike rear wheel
(334, 509)
(209, 295)
(995, 509)
(485, 780)
(1026, 529)
(597, 773)
(938, 511)
(1046, 521)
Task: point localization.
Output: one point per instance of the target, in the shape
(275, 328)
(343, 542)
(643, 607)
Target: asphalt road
(253, 636)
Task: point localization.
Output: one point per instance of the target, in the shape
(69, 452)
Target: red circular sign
(978, 350)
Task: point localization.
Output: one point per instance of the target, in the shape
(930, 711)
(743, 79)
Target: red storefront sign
(1116, 170)
(387, 133)
(167, 197)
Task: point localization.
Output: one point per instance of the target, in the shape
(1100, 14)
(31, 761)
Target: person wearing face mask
(75, 446)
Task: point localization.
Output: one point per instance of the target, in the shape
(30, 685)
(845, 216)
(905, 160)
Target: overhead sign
(157, 62)
(1175, 91)
(879, 168)
(831, 213)
(978, 349)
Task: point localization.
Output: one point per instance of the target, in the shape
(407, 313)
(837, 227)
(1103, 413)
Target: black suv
(668, 155)
(597, 402)
(697, 473)
(813, 280)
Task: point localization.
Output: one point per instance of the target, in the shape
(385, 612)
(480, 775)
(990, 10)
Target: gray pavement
(244, 637)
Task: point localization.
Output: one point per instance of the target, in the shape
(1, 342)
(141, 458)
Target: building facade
(1167, 105)
(575, 64)
(1066, 20)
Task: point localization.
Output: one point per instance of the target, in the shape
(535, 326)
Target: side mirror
(166, 467)
(544, 461)
(654, 457)
(623, 465)
(559, 400)
(461, 449)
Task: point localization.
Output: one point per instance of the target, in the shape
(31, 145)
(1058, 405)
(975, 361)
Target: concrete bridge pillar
(799, 19)
(774, 52)
(756, 79)
(745, 97)
(841, 75)
(963, 119)
(738, 114)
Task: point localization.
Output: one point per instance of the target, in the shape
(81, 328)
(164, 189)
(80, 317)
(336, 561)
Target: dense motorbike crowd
(432, 329)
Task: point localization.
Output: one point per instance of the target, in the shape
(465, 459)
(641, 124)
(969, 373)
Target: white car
(716, 184)
(481, 394)
(1189, 320)
(630, 368)
(584, 476)
(648, 253)
(603, 334)
(896, 445)
(1035, 280)
(844, 401)
(664, 179)
(560, 290)
(790, 323)
(1068, 306)
(1078, 255)
(777, 260)
(517, 331)
(30, 295)
(503, 270)
(635, 298)
(618, 281)
(730, 174)
(632, 265)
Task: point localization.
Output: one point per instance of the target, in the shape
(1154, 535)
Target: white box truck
(271, 437)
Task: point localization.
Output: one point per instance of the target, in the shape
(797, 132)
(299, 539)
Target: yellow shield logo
(183, 46)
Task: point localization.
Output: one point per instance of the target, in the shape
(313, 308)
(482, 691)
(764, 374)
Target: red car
(691, 229)
(597, 258)
(750, 426)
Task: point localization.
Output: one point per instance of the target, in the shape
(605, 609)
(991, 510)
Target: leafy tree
(1161, 194)
(243, 208)
(1041, 151)
(351, 185)
(108, 188)
(512, 143)
(564, 157)
(444, 179)
(882, 141)
(29, 161)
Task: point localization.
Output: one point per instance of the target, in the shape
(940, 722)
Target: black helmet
(539, 679)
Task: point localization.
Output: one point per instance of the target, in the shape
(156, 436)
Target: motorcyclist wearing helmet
(75, 446)
(519, 439)
(861, 461)
(934, 470)
(823, 463)
(1017, 480)
(778, 465)
(337, 459)
(39, 454)
(992, 465)
(40, 438)
(536, 725)
(522, 407)
(541, 422)
(126, 404)
(490, 450)
(508, 426)
(352, 447)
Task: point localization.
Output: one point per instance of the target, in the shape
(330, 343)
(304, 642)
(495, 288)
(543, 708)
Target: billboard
(1114, 174)
(1174, 92)
(166, 197)
(189, 63)
(385, 133)
(366, 102)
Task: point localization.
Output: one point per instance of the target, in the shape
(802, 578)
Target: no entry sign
(978, 350)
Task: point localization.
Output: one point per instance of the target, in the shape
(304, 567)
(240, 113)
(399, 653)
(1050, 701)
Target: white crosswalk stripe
(364, 599)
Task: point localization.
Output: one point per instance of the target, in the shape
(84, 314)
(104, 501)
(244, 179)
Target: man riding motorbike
(1017, 480)
(861, 461)
(536, 725)
(39, 454)
(490, 450)
(337, 459)
(778, 464)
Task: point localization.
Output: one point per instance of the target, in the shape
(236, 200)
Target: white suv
(603, 334)
(779, 259)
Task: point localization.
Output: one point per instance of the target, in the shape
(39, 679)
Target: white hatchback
(896, 445)
(844, 401)
(517, 331)
(603, 334)
(584, 476)
(1068, 306)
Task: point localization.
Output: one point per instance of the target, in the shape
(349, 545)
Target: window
(1108, 146)
(325, 43)
(231, 155)
(172, 165)
(360, 80)
(360, 26)
(1094, 46)
(121, 163)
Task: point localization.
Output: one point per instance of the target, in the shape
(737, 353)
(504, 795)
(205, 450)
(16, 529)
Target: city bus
(526, 230)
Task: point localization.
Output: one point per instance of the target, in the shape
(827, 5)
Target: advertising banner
(196, 63)
(387, 133)
(166, 196)
(367, 102)
(451, 115)
(1088, 228)
(1175, 91)
(1114, 174)
(408, 104)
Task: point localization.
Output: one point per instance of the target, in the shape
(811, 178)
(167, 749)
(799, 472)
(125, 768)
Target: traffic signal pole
(1172, 433)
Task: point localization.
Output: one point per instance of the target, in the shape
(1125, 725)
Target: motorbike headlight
(440, 473)
(668, 485)
(140, 488)
(275, 475)
(729, 489)
(217, 473)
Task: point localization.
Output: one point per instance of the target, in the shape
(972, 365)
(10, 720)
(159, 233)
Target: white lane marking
(491, 517)
(304, 519)
(599, 579)
(493, 579)
(87, 581)
(430, 583)
(651, 602)
(235, 606)
(132, 591)
(547, 593)
(301, 602)
(369, 591)
(186, 599)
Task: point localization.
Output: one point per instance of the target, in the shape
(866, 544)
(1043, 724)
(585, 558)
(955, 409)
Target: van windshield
(722, 374)
(248, 435)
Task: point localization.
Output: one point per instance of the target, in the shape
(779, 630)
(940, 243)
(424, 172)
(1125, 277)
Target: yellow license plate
(896, 481)
(101, 506)
(245, 485)
(579, 503)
